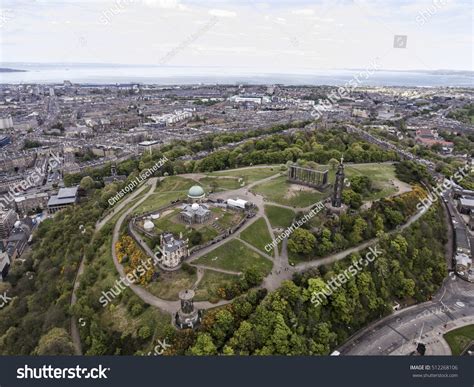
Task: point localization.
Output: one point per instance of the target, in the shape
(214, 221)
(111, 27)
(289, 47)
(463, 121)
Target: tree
(324, 245)
(87, 183)
(144, 332)
(333, 163)
(204, 345)
(195, 238)
(224, 324)
(301, 241)
(351, 198)
(252, 276)
(357, 231)
(55, 343)
(361, 184)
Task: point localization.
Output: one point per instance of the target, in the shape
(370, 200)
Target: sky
(274, 36)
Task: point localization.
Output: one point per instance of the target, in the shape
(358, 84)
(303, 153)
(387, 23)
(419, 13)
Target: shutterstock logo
(50, 372)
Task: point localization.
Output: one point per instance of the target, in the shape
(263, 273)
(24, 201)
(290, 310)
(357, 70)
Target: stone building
(173, 251)
(195, 213)
(188, 316)
(7, 221)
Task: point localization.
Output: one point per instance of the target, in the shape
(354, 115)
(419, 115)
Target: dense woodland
(316, 146)
(37, 321)
(411, 268)
(350, 229)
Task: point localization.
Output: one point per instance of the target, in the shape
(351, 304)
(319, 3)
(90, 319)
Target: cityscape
(204, 211)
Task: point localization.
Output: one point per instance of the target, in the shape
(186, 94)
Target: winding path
(168, 306)
(281, 269)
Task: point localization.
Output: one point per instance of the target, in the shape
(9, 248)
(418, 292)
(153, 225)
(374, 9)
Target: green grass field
(157, 200)
(278, 190)
(257, 235)
(460, 338)
(115, 316)
(171, 188)
(279, 216)
(212, 280)
(175, 184)
(119, 320)
(170, 284)
(380, 174)
(235, 256)
(226, 218)
(171, 223)
(223, 183)
(250, 175)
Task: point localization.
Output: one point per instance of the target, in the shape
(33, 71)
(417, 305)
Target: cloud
(165, 4)
(222, 13)
(323, 19)
(305, 12)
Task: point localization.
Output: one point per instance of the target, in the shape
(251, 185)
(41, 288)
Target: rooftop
(196, 192)
(466, 202)
(67, 193)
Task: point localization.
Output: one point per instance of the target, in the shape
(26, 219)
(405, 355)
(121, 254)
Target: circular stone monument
(187, 316)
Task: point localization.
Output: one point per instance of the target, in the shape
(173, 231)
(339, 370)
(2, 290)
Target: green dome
(196, 192)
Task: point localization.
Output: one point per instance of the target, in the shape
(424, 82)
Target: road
(167, 306)
(452, 306)
(397, 333)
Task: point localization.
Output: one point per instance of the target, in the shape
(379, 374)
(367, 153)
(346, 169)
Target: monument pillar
(338, 185)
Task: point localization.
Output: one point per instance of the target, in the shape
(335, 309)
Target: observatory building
(196, 193)
(195, 213)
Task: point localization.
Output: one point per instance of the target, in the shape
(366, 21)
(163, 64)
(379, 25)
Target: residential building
(466, 205)
(25, 204)
(6, 122)
(7, 221)
(4, 265)
(430, 137)
(19, 237)
(463, 245)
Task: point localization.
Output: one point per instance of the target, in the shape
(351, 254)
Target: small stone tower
(187, 316)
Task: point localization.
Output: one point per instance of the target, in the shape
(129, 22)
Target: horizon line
(286, 72)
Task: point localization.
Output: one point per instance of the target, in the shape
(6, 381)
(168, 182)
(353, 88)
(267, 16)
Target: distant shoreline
(8, 70)
(175, 75)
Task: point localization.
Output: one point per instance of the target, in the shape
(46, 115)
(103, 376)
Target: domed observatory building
(196, 193)
(195, 213)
